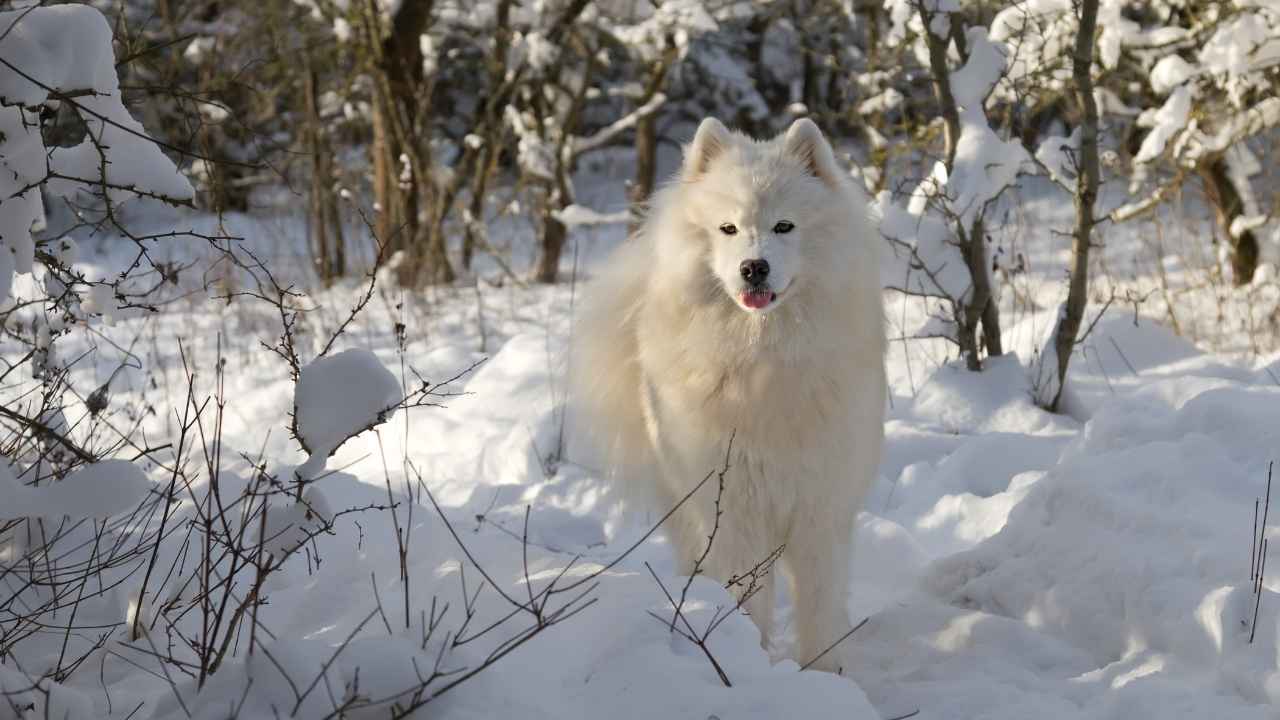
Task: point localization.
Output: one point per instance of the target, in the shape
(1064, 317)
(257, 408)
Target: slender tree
(1087, 180)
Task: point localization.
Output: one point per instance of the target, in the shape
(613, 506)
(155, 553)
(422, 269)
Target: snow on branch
(605, 135)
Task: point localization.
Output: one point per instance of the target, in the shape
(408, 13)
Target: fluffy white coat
(671, 361)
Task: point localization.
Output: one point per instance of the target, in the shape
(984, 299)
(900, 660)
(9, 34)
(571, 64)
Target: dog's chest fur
(772, 382)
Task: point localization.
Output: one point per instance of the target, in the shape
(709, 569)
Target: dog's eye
(783, 227)
(729, 229)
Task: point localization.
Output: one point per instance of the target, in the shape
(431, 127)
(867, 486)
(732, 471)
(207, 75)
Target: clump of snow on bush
(97, 490)
(66, 49)
(336, 398)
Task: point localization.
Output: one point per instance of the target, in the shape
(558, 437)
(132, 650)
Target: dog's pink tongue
(757, 299)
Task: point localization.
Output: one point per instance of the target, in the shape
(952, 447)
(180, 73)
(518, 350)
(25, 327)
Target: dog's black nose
(754, 271)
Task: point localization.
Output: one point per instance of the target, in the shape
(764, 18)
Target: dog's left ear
(804, 141)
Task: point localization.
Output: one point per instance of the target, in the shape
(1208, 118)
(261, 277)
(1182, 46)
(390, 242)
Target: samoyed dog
(746, 313)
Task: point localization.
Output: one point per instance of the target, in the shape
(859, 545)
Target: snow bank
(1120, 354)
(1134, 547)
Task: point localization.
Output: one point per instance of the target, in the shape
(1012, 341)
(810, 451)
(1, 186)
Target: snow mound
(965, 497)
(998, 399)
(338, 397)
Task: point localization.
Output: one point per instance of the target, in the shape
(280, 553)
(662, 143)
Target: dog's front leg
(737, 550)
(818, 562)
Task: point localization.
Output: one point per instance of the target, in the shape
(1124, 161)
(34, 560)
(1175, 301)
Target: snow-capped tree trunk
(1228, 204)
(980, 309)
(1087, 179)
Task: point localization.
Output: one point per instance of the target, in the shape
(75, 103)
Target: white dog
(748, 306)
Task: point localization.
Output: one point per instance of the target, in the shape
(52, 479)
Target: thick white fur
(668, 366)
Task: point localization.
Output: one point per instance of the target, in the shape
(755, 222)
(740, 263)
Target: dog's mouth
(757, 299)
(761, 298)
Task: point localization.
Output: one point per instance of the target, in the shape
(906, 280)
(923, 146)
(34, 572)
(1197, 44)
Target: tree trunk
(324, 223)
(981, 309)
(489, 128)
(646, 170)
(1228, 204)
(553, 236)
(941, 76)
(1086, 194)
(811, 90)
(756, 28)
(403, 182)
(386, 194)
(485, 163)
(647, 139)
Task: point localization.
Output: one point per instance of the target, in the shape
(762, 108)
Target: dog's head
(764, 209)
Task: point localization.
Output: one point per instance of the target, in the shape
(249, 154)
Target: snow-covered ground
(1012, 563)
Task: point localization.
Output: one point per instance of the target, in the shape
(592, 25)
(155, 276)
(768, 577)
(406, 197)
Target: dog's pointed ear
(804, 142)
(711, 139)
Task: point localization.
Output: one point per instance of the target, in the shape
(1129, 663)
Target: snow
(1056, 155)
(1012, 563)
(884, 101)
(924, 234)
(539, 52)
(339, 396)
(973, 82)
(680, 20)
(1104, 550)
(1167, 121)
(578, 215)
(985, 164)
(1170, 72)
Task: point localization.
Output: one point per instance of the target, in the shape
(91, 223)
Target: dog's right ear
(805, 142)
(711, 139)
